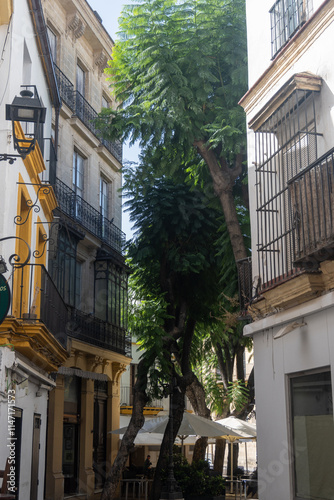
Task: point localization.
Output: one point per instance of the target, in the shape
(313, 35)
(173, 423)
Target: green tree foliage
(179, 72)
(174, 254)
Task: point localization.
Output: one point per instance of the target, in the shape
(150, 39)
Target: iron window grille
(286, 17)
(111, 292)
(285, 144)
(66, 269)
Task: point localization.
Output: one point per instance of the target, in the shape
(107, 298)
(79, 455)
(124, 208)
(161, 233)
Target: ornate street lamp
(25, 108)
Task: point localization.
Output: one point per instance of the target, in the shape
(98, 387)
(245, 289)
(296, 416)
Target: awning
(63, 370)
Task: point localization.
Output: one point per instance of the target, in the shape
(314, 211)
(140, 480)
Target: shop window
(313, 435)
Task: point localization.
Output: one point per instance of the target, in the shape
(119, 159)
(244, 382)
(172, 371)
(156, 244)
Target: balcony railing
(52, 162)
(83, 110)
(43, 304)
(66, 88)
(312, 202)
(81, 211)
(127, 398)
(92, 330)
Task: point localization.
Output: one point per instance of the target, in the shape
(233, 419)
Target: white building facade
(290, 299)
(29, 350)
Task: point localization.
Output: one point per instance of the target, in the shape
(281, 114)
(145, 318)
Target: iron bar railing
(90, 218)
(285, 144)
(52, 163)
(85, 112)
(88, 328)
(127, 398)
(40, 303)
(66, 88)
(312, 204)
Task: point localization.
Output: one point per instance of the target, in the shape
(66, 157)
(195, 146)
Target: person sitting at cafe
(148, 466)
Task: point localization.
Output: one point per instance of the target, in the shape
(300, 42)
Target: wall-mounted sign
(4, 298)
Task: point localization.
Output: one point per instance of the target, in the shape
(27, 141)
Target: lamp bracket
(15, 260)
(45, 189)
(37, 253)
(9, 158)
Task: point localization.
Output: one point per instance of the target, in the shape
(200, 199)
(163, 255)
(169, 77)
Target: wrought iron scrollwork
(52, 240)
(9, 158)
(45, 189)
(14, 259)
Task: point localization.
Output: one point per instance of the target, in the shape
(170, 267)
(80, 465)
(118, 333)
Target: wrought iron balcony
(66, 88)
(92, 330)
(81, 211)
(85, 112)
(312, 202)
(44, 304)
(127, 398)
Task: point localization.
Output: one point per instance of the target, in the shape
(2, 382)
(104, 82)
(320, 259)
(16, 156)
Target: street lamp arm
(15, 260)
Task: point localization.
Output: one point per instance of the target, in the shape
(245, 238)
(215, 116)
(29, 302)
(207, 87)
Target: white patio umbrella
(244, 430)
(191, 425)
(241, 427)
(152, 438)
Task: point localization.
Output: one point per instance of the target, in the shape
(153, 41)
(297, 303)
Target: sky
(109, 11)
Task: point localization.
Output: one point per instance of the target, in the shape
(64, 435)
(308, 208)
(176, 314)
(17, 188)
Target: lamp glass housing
(26, 108)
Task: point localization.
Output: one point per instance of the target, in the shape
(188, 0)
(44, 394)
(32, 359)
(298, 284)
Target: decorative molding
(33, 340)
(299, 81)
(100, 59)
(76, 25)
(296, 291)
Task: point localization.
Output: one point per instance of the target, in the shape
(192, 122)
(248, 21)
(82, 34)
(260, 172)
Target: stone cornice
(33, 340)
(97, 360)
(300, 81)
(294, 292)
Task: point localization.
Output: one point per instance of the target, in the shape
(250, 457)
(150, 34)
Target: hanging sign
(4, 298)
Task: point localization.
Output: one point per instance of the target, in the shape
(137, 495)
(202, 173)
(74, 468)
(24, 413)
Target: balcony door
(80, 94)
(35, 456)
(80, 80)
(71, 429)
(78, 173)
(66, 268)
(100, 432)
(104, 205)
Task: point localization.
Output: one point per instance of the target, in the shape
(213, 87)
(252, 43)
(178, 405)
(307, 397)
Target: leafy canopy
(174, 250)
(180, 69)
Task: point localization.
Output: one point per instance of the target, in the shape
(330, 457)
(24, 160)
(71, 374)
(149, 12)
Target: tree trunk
(178, 410)
(219, 455)
(235, 458)
(196, 395)
(223, 179)
(200, 449)
(136, 422)
(240, 362)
